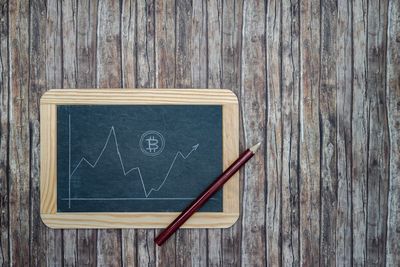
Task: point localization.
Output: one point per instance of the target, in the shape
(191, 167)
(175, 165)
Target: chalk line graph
(125, 172)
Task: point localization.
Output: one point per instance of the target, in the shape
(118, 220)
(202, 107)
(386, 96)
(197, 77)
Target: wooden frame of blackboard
(48, 153)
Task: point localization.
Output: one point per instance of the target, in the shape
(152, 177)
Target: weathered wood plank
(87, 247)
(108, 75)
(214, 80)
(145, 250)
(69, 34)
(165, 78)
(378, 143)
(69, 61)
(309, 133)
(165, 43)
(344, 108)
(360, 111)
(53, 238)
(328, 123)
(145, 77)
(4, 135)
(290, 133)
(273, 133)
(393, 113)
(214, 40)
(38, 19)
(231, 52)
(145, 29)
(253, 104)
(19, 156)
(128, 247)
(191, 71)
(128, 61)
(86, 43)
(108, 45)
(128, 43)
(183, 45)
(197, 43)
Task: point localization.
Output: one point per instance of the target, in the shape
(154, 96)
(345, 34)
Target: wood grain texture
(165, 78)
(318, 83)
(290, 213)
(69, 61)
(231, 47)
(360, 107)
(86, 43)
(328, 138)
(253, 104)
(53, 241)
(378, 141)
(128, 62)
(393, 113)
(85, 49)
(274, 133)
(165, 43)
(290, 147)
(129, 95)
(214, 80)
(48, 154)
(18, 154)
(108, 74)
(191, 71)
(310, 133)
(343, 233)
(4, 136)
(145, 78)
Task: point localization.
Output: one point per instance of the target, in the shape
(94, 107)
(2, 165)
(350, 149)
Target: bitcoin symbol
(152, 143)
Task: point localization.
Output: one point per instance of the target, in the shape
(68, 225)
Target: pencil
(206, 195)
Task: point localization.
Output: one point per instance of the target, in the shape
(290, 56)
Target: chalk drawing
(147, 192)
(152, 143)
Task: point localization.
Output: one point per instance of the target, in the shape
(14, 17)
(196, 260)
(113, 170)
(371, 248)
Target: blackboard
(134, 158)
(137, 158)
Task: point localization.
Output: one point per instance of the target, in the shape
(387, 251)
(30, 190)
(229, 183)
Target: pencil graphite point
(255, 147)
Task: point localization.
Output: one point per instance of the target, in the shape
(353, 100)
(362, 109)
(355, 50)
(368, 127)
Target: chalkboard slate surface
(137, 158)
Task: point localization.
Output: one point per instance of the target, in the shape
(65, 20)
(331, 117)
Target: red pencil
(207, 194)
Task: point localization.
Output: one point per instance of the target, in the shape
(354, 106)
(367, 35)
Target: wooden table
(318, 83)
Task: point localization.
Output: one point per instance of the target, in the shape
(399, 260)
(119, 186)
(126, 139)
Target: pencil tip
(255, 147)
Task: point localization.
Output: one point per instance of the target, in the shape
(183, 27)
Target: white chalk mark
(112, 133)
(170, 168)
(153, 148)
(69, 160)
(130, 198)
